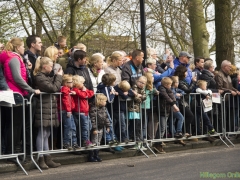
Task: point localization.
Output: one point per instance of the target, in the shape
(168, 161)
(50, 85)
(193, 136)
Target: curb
(69, 158)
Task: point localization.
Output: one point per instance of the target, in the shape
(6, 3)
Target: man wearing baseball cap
(183, 59)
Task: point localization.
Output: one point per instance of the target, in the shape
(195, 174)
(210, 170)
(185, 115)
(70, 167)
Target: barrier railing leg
(138, 146)
(21, 166)
(223, 141)
(147, 144)
(33, 160)
(229, 141)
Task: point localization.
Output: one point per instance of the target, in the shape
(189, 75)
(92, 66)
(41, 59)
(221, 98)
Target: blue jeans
(69, 129)
(120, 123)
(207, 125)
(163, 124)
(82, 125)
(110, 135)
(172, 120)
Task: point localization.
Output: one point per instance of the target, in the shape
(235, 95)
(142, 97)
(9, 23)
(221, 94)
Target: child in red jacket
(67, 107)
(81, 110)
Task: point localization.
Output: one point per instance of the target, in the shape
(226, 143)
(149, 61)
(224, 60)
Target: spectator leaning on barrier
(107, 88)
(183, 60)
(68, 104)
(119, 109)
(45, 118)
(81, 110)
(181, 72)
(167, 102)
(100, 120)
(134, 108)
(205, 94)
(3, 86)
(208, 76)
(150, 118)
(178, 93)
(223, 79)
(133, 69)
(16, 77)
(224, 83)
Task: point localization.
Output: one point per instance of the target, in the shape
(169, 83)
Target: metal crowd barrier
(231, 116)
(16, 125)
(150, 121)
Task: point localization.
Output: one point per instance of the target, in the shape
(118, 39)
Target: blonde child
(67, 107)
(44, 118)
(119, 109)
(205, 94)
(81, 109)
(167, 101)
(152, 122)
(178, 93)
(134, 108)
(99, 118)
(106, 87)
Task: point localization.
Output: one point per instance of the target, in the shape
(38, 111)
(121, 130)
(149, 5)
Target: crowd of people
(93, 90)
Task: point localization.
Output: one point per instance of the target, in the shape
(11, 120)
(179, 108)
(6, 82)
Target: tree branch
(94, 21)
(38, 15)
(20, 13)
(54, 32)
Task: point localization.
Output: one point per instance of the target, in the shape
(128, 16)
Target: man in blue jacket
(183, 59)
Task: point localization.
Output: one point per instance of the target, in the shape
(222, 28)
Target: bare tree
(224, 37)
(200, 35)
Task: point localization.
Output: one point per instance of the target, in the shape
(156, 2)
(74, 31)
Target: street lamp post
(143, 29)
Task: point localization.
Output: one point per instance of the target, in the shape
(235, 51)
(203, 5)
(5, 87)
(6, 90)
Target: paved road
(182, 165)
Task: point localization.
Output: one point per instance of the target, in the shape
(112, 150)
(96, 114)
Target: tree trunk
(200, 35)
(224, 38)
(73, 8)
(38, 21)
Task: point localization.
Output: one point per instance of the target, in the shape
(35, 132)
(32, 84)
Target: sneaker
(68, 147)
(88, 144)
(113, 142)
(126, 140)
(76, 147)
(159, 149)
(178, 135)
(187, 135)
(143, 148)
(212, 132)
(117, 148)
(210, 139)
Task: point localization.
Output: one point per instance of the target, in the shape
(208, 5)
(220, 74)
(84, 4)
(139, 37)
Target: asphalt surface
(194, 164)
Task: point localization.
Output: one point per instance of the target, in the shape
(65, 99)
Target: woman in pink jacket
(16, 76)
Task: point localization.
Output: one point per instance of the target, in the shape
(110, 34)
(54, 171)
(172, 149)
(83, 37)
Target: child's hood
(101, 86)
